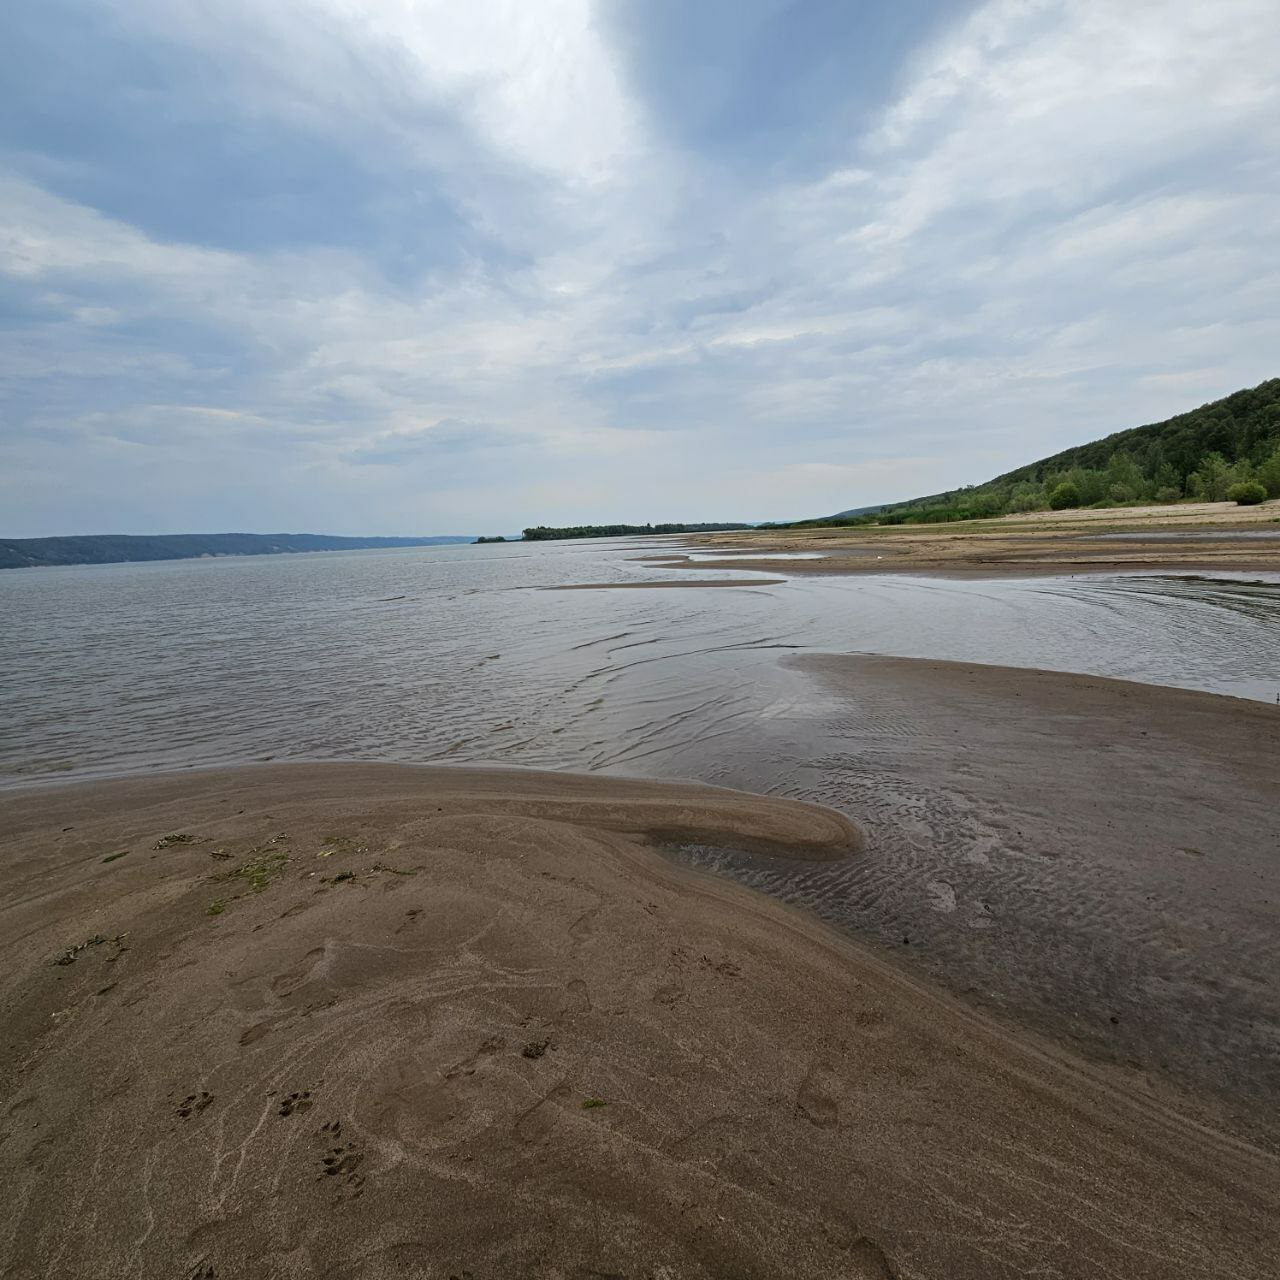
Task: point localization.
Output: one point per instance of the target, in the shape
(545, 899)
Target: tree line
(545, 533)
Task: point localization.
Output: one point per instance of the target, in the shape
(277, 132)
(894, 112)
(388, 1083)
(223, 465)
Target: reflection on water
(448, 654)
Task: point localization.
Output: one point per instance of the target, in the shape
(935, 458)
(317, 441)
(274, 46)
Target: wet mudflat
(1095, 859)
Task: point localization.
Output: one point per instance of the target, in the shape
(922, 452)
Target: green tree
(1064, 495)
(1025, 497)
(1124, 474)
(1091, 484)
(1247, 493)
(1211, 479)
(1269, 474)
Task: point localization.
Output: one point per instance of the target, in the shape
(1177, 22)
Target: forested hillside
(1224, 449)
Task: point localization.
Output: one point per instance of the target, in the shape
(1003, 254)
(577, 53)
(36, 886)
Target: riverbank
(363, 1020)
(1190, 538)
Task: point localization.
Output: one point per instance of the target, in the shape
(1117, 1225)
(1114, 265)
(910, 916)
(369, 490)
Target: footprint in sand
(410, 919)
(342, 1163)
(534, 1125)
(872, 1260)
(467, 1067)
(40, 1150)
(405, 1104)
(577, 999)
(583, 927)
(296, 1102)
(252, 1034)
(194, 1103)
(668, 996)
(286, 983)
(816, 1097)
(712, 1141)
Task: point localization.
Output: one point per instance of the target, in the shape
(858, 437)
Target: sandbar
(1210, 536)
(670, 582)
(378, 1020)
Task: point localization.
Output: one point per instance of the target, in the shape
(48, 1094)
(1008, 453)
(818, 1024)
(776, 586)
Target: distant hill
(860, 511)
(1198, 455)
(20, 553)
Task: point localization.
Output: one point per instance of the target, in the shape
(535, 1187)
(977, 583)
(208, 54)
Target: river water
(459, 654)
(469, 655)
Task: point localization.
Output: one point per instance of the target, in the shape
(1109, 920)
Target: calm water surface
(457, 654)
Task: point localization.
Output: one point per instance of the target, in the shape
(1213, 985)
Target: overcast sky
(427, 266)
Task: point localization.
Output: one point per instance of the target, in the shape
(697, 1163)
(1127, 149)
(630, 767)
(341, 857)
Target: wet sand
(1056, 542)
(375, 1020)
(1094, 858)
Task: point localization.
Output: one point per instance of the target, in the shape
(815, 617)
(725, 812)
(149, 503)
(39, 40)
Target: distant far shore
(33, 553)
(548, 533)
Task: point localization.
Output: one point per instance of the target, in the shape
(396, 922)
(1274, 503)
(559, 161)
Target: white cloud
(1060, 226)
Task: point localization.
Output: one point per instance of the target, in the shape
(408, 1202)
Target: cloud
(409, 266)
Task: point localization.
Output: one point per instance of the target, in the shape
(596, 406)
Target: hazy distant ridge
(20, 553)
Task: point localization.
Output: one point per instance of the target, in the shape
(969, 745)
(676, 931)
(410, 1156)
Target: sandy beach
(1193, 537)
(374, 1020)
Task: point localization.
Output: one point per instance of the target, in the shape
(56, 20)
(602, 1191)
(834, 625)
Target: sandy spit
(673, 582)
(1047, 542)
(384, 1021)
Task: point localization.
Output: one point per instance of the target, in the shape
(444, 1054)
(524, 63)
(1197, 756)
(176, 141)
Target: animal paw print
(204, 1271)
(296, 1102)
(194, 1103)
(343, 1163)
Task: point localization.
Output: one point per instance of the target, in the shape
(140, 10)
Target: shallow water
(452, 654)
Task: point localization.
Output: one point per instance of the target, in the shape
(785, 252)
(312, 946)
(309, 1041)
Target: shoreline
(848, 562)
(448, 962)
(1198, 538)
(680, 582)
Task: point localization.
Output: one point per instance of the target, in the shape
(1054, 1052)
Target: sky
(426, 267)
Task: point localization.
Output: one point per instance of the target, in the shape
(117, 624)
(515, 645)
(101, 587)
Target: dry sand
(473, 1024)
(1037, 542)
